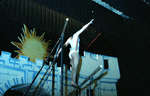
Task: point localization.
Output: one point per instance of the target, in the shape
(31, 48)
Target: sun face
(31, 45)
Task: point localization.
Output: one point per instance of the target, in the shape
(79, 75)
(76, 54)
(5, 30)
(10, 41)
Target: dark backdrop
(126, 39)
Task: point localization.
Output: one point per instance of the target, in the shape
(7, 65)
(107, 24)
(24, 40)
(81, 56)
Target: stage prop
(98, 75)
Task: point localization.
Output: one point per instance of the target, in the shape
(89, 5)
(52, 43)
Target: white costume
(74, 50)
(74, 43)
(74, 40)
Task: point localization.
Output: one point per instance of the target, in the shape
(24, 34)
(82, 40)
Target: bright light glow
(31, 45)
(67, 19)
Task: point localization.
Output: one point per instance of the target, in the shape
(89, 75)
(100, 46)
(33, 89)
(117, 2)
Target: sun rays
(31, 45)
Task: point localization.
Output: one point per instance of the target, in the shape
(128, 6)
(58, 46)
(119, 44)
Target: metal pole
(62, 39)
(45, 62)
(26, 92)
(62, 42)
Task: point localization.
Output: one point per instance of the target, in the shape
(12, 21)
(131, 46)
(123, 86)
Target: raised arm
(84, 27)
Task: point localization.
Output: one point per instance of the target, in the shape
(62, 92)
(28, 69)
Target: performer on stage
(74, 51)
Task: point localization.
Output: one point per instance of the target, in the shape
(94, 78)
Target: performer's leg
(75, 56)
(73, 70)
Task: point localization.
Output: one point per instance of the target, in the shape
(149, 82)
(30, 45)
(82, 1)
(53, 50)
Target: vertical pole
(62, 42)
(53, 80)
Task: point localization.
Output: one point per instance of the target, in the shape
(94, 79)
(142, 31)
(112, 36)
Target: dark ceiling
(127, 39)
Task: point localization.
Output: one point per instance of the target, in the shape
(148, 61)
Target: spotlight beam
(107, 6)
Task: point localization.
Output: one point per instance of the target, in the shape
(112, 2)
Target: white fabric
(74, 42)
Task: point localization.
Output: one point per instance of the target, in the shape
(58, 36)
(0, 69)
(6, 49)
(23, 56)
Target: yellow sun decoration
(31, 45)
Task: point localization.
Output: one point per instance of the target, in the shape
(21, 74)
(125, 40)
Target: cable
(94, 40)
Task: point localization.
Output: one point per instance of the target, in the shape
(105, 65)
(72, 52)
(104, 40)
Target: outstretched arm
(84, 27)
